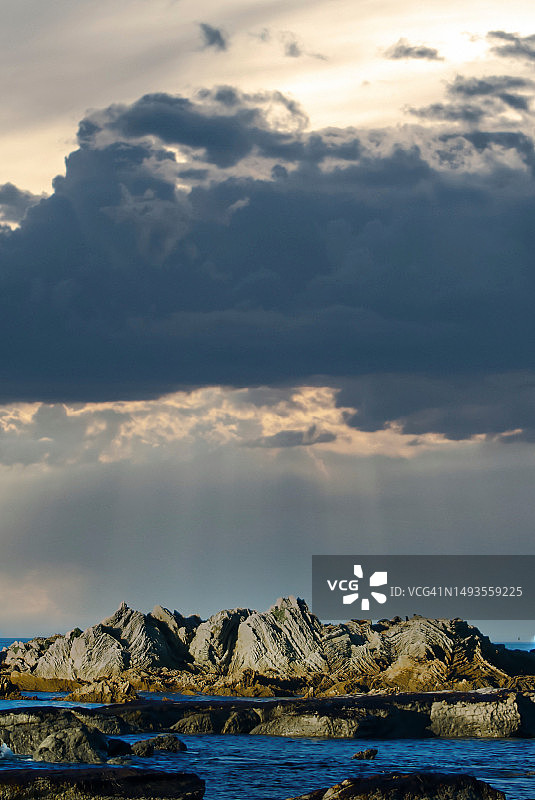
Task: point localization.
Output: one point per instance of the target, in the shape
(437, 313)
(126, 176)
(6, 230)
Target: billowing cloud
(403, 49)
(216, 240)
(213, 37)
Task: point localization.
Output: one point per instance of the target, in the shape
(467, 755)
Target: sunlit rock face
(287, 642)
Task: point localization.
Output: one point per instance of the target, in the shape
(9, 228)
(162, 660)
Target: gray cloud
(403, 49)
(498, 86)
(292, 48)
(14, 202)
(295, 438)
(450, 112)
(213, 37)
(489, 97)
(512, 45)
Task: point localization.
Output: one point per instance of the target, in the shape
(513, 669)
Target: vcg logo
(351, 587)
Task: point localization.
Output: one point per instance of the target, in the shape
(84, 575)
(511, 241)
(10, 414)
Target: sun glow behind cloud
(60, 434)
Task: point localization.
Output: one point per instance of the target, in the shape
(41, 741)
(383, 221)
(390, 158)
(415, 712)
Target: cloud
(291, 46)
(450, 112)
(403, 49)
(213, 37)
(498, 86)
(491, 98)
(14, 202)
(512, 45)
(295, 257)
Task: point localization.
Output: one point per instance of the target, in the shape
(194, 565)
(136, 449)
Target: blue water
(275, 768)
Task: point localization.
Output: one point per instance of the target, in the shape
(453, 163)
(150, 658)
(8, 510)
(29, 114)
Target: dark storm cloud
(459, 407)
(213, 37)
(403, 49)
(511, 45)
(14, 202)
(338, 260)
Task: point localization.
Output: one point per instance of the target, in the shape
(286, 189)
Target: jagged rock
(284, 650)
(99, 783)
(214, 642)
(283, 641)
(416, 786)
(126, 638)
(77, 744)
(366, 755)
(104, 691)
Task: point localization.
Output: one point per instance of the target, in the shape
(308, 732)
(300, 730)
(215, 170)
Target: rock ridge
(285, 649)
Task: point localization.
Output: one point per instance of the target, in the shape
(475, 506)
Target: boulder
(415, 786)
(201, 722)
(76, 744)
(142, 749)
(366, 755)
(169, 743)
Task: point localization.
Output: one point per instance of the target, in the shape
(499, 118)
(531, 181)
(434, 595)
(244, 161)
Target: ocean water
(276, 768)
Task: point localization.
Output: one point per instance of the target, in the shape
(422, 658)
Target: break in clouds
(216, 240)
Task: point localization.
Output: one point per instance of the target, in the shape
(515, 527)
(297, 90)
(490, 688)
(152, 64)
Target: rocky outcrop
(416, 786)
(284, 650)
(499, 718)
(494, 714)
(104, 691)
(58, 734)
(99, 784)
(127, 638)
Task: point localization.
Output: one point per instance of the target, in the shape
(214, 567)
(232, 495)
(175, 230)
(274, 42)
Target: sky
(267, 292)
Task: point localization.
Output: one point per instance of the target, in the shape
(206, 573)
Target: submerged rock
(366, 755)
(416, 786)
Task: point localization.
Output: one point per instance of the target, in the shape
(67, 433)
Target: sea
(276, 768)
